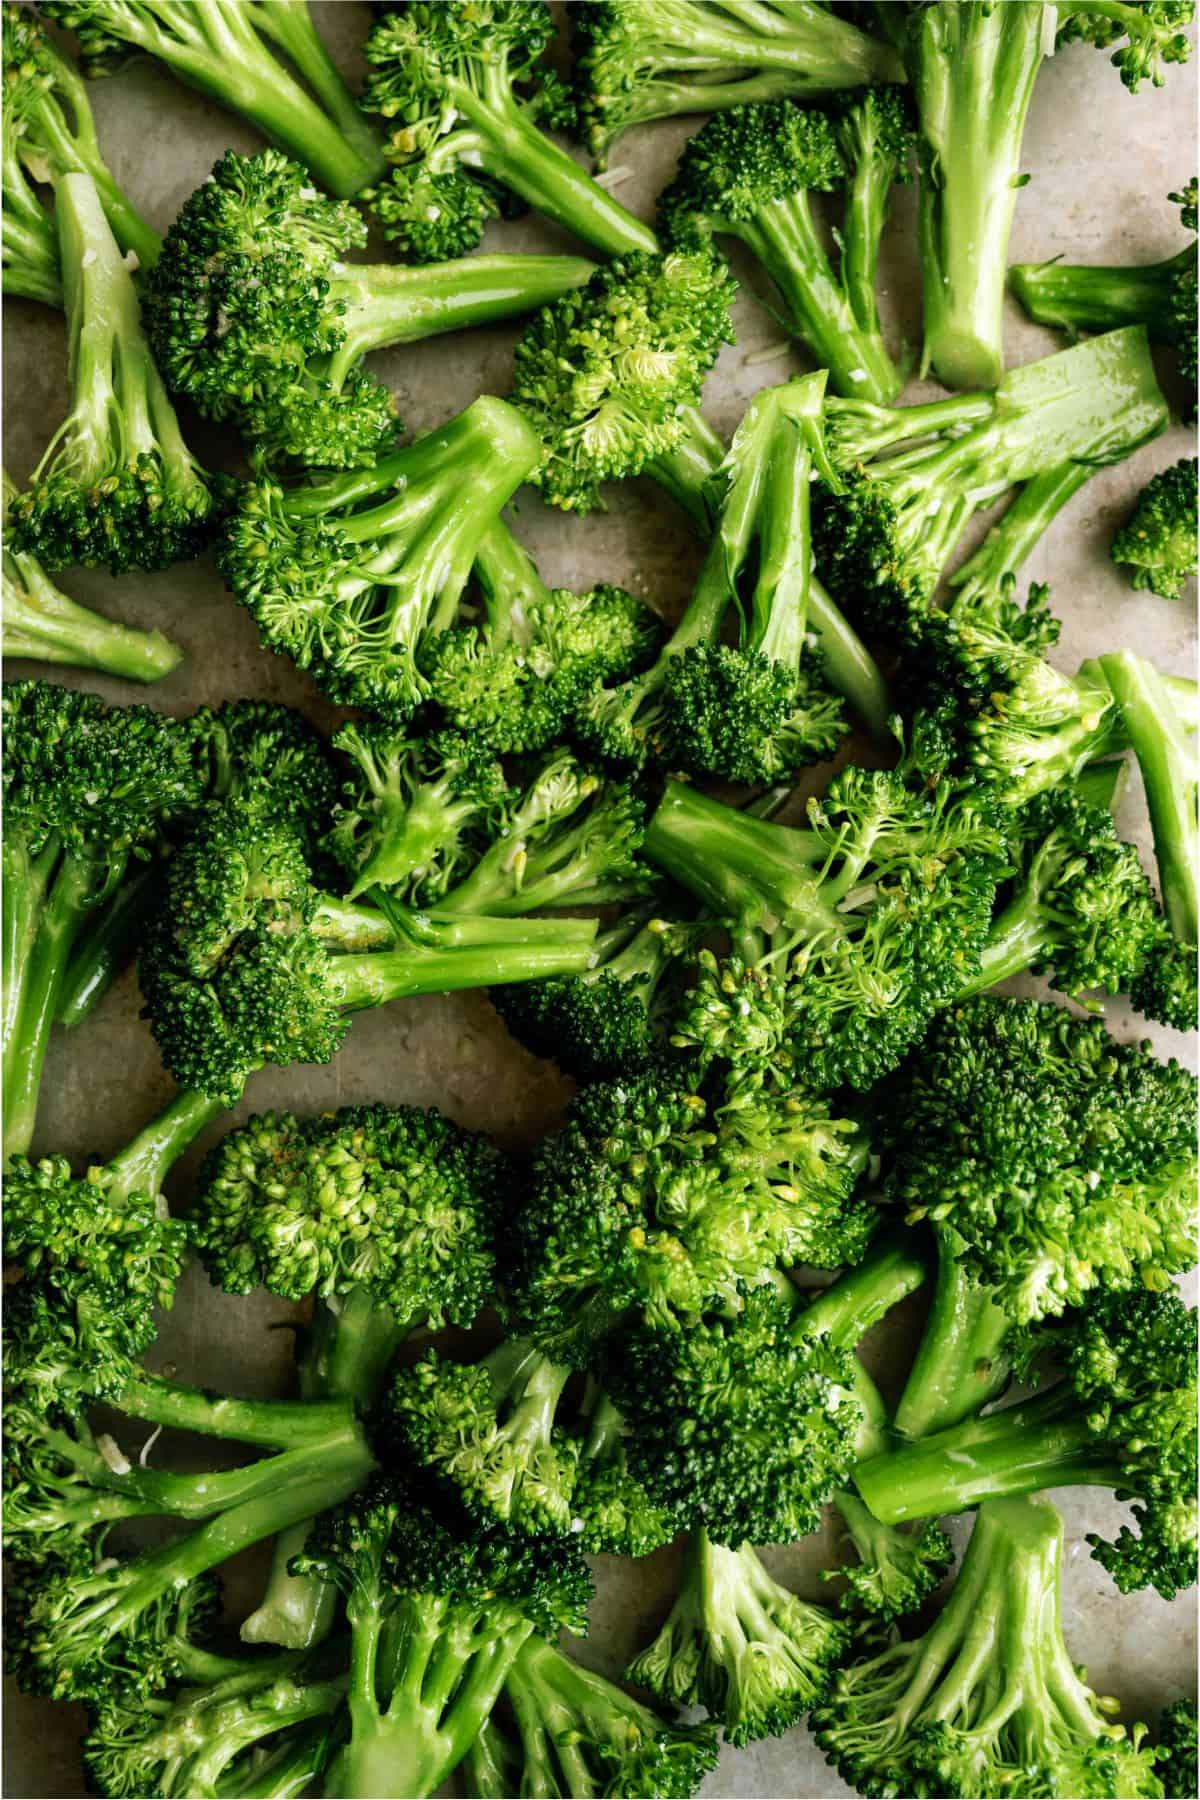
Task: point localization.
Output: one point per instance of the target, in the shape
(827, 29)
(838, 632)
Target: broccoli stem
(30, 241)
(272, 1424)
(959, 1366)
(388, 304)
(108, 945)
(686, 471)
(289, 23)
(1168, 765)
(288, 1772)
(860, 1297)
(973, 70)
(498, 951)
(143, 1165)
(1040, 1443)
(864, 216)
(40, 621)
(510, 581)
(1017, 533)
(1072, 297)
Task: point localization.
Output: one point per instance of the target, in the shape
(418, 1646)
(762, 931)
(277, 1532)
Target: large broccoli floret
(653, 1197)
(1156, 546)
(466, 90)
(88, 788)
(518, 680)
(847, 935)
(609, 376)
(654, 59)
(49, 132)
(989, 1699)
(117, 485)
(973, 72)
(736, 1642)
(1122, 1416)
(257, 317)
(231, 55)
(1177, 1755)
(346, 576)
(574, 1732)
(749, 173)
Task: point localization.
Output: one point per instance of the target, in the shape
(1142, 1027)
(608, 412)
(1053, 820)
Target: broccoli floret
(518, 680)
(973, 64)
(574, 1732)
(28, 235)
(117, 485)
(466, 91)
(43, 623)
(736, 1642)
(230, 55)
(847, 936)
(248, 963)
(895, 1569)
(988, 1700)
(653, 1197)
(256, 316)
(87, 788)
(748, 174)
(1122, 1416)
(1157, 543)
(454, 1602)
(609, 376)
(654, 59)
(1176, 1762)
(345, 576)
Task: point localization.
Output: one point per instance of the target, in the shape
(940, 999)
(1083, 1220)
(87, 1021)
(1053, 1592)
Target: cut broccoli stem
(1012, 540)
(272, 1424)
(1071, 297)
(42, 622)
(109, 946)
(686, 470)
(291, 27)
(1167, 761)
(973, 70)
(959, 1366)
(892, 1269)
(447, 955)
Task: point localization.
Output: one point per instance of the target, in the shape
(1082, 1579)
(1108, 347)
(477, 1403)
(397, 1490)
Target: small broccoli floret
(519, 680)
(609, 377)
(345, 576)
(1176, 1764)
(49, 132)
(1154, 32)
(117, 485)
(231, 56)
(467, 91)
(847, 936)
(654, 59)
(256, 316)
(894, 1571)
(1157, 543)
(1122, 1416)
(613, 1511)
(748, 174)
(975, 1708)
(736, 1642)
(655, 1198)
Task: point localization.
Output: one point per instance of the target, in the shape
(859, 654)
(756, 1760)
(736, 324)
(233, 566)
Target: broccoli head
(1157, 543)
(1177, 1753)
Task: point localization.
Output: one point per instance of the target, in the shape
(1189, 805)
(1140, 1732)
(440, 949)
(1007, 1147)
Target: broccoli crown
(948, 1714)
(1064, 1160)
(734, 1424)
(743, 160)
(259, 750)
(1177, 1753)
(656, 1198)
(1157, 543)
(613, 1511)
(877, 128)
(395, 1200)
(1154, 34)
(1165, 988)
(246, 294)
(605, 374)
(741, 716)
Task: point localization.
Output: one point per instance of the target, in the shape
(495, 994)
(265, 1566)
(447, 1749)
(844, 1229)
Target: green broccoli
(230, 55)
(1177, 1749)
(347, 575)
(748, 174)
(117, 484)
(1156, 546)
(655, 59)
(988, 1700)
(254, 313)
(1121, 1416)
(28, 234)
(466, 91)
(964, 1358)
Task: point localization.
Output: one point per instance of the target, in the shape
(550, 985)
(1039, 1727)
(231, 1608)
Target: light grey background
(1101, 163)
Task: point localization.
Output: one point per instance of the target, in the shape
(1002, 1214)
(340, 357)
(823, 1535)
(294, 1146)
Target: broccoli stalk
(117, 485)
(220, 51)
(989, 1698)
(961, 1362)
(1157, 544)
(1121, 1417)
(43, 623)
(449, 77)
(28, 238)
(655, 59)
(348, 575)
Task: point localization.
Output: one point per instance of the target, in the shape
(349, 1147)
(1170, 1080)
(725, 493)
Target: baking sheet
(1094, 194)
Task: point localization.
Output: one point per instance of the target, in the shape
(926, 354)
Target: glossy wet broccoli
(1156, 546)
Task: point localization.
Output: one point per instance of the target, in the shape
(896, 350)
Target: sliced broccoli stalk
(989, 1690)
(117, 484)
(961, 1364)
(641, 60)
(450, 78)
(221, 52)
(348, 588)
(1157, 544)
(43, 623)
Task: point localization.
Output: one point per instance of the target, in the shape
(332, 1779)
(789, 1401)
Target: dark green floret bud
(1157, 543)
